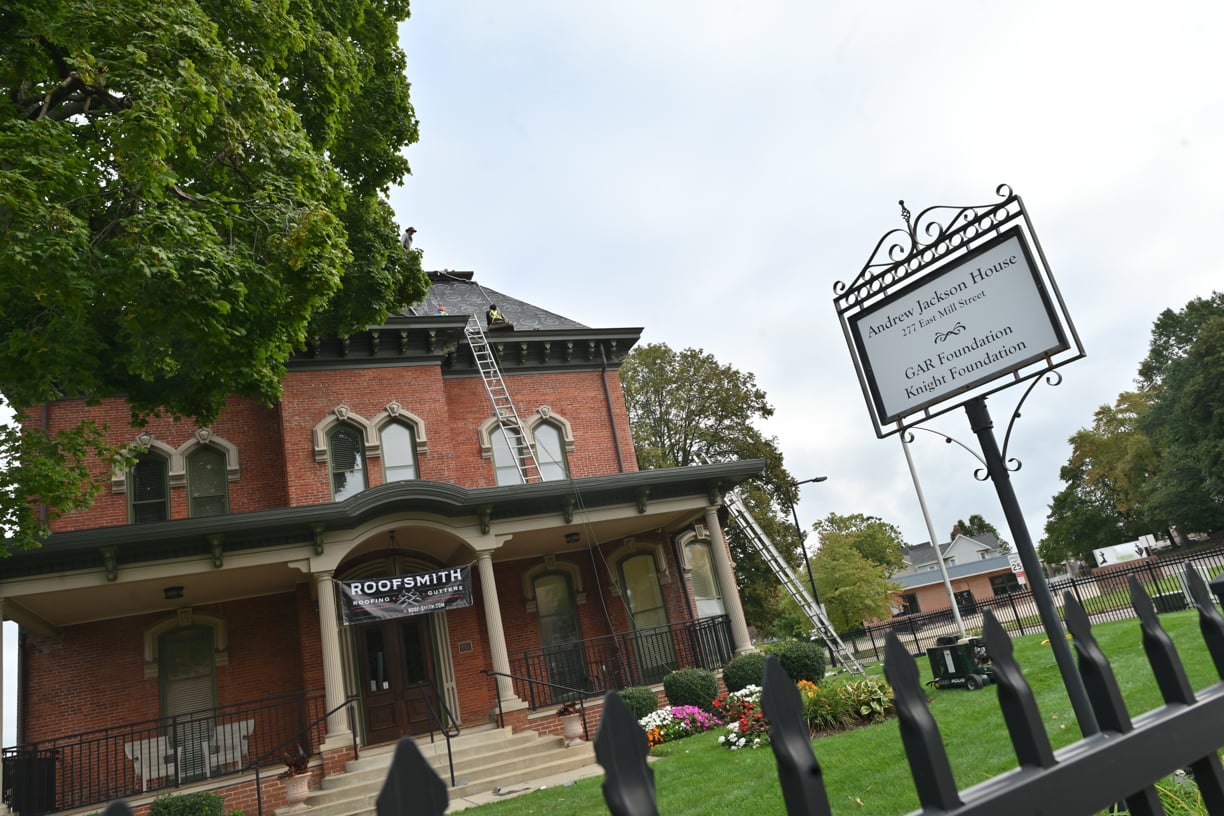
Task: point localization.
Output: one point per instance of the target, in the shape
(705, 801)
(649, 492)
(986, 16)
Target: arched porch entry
(401, 667)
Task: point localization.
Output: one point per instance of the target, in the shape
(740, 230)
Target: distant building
(977, 568)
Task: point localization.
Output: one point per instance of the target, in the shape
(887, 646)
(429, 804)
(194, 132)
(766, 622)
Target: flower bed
(745, 722)
(675, 723)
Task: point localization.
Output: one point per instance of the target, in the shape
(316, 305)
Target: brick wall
(276, 447)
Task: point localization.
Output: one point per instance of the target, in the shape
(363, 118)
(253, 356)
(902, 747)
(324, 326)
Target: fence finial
(621, 748)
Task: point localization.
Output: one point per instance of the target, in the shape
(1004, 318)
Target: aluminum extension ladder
(503, 406)
(740, 514)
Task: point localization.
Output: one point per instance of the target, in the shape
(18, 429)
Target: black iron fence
(143, 757)
(1104, 595)
(1120, 764)
(640, 657)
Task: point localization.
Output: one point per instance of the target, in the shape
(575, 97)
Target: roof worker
(441, 312)
(495, 320)
(406, 241)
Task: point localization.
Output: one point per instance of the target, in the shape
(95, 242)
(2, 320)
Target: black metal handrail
(609, 662)
(444, 727)
(303, 734)
(576, 694)
(138, 758)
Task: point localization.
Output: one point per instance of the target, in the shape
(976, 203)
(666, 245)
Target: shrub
(188, 804)
(746, 670)
(695, 687)
(745, 722)
(841, 704)
(801, 660)
(639, 700)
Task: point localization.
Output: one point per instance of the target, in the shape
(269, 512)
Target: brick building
(192, 623)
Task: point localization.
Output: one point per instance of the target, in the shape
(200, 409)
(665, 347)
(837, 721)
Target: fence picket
(621, 748)
(1024, 725)
(928, 760)
(799, 772)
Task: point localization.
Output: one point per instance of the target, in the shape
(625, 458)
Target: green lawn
(865, 769)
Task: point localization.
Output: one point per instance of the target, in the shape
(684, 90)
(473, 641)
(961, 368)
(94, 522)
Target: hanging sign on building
(371, 599)
(959, 304)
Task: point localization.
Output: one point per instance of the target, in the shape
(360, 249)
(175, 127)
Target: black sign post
(957, 306)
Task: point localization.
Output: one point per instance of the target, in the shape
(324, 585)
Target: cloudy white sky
(708, 170)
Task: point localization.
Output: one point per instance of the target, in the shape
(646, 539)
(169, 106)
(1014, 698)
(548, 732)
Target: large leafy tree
(1153, 460)
(686, 408)
(858, 555)
(1184, 372)
(977, 526)
(189, 190)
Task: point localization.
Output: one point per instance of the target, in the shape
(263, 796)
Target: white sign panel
(976, 319)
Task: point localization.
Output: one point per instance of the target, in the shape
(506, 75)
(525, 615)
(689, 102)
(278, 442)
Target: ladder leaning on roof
(503, 406)
(743, 518)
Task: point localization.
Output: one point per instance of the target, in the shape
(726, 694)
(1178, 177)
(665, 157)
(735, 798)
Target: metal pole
(980, 422)
(799, 532)
(926, 516)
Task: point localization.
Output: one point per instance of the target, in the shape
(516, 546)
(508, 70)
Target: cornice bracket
(218, 557)
(316, 530)
(640, 496)
(110, 558)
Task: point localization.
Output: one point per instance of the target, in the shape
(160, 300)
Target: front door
(396, 662)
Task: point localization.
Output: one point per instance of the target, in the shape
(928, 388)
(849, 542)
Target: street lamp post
(799, 532)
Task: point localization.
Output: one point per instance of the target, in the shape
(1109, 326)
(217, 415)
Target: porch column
(333, 675)
(726, 579)
(497, 634)
(3, 807)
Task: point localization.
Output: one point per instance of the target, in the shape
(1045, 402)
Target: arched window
(398, 452)
(346, 461)
(149, 489)
(207, 482)
(643, 596)
(550, 452)
(704, 580)
(187, 675)
(560, 632)
(505, 466)
(549, 455)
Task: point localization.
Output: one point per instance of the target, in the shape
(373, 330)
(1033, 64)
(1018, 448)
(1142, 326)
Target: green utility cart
(958, 662)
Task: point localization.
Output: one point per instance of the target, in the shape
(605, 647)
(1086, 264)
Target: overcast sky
(708, 170)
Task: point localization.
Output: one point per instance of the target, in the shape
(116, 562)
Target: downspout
(620, 460)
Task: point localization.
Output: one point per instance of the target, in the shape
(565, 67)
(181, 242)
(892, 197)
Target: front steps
(488, 763)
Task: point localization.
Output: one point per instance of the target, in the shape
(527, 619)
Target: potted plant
(297, 777)
(571, 722)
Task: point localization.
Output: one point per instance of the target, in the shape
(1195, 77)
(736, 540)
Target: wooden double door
(397, 675)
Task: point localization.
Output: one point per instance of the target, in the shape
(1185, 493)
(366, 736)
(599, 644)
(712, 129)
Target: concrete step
(485, 761)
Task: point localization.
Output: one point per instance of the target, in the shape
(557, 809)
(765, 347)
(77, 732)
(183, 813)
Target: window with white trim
(207, 482)
(550, 452)
(704, 580)
(399, 449)
(346, 461)
(149, 489)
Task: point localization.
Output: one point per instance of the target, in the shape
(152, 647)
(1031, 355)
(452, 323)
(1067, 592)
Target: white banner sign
(974, 320)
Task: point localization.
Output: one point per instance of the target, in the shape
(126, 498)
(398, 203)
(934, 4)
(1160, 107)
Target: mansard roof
(540, 340)
(461, 294)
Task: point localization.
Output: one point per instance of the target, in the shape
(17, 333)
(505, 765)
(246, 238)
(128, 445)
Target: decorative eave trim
(306, 524)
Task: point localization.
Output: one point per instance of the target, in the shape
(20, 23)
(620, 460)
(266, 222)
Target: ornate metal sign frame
(931, 250)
